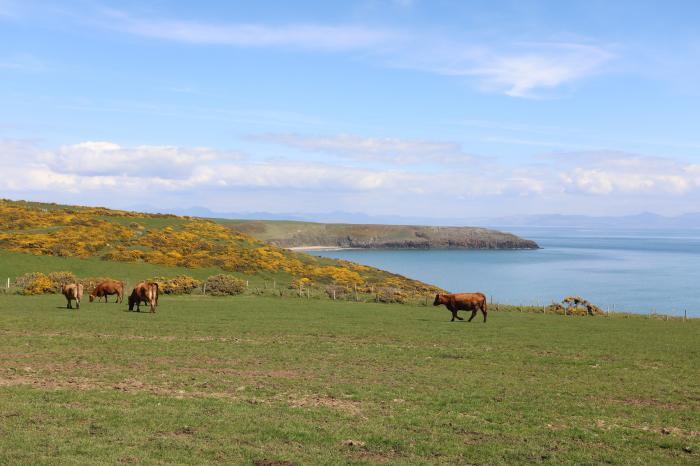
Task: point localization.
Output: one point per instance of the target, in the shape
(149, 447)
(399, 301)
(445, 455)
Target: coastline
(319, 248)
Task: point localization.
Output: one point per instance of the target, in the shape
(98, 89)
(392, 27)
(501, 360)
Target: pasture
(259, 380)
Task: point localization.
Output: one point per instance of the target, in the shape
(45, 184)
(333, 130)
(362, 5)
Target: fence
(345, 293)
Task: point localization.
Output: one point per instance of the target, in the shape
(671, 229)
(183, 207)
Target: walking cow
(146, 292)
(463, 302)
(73, 291)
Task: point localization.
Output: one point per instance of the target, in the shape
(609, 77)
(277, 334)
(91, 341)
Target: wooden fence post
(204, 289)
(685, 315)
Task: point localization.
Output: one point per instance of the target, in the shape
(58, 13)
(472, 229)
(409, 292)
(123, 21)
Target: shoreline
(319, 248)
(340, 248)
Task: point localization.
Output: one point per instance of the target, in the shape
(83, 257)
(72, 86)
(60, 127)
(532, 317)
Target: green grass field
(247, 379)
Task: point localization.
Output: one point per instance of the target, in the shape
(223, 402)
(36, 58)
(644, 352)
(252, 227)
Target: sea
(638, 271)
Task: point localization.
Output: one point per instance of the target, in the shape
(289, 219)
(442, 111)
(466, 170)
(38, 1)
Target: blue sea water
(626, 270)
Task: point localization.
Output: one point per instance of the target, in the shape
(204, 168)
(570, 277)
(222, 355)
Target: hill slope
(288, 234)
(177, 242)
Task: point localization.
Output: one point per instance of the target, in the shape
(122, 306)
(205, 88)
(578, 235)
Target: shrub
(182, 284)
(35, 283)
(336, 291)
(391, 295)
(576, 306)
(222, 284)
(61, 278)
(302, 283)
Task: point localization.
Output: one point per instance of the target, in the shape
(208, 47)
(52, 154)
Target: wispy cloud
(22, 62)
(515, 69)
(394, 150)
(304, 36)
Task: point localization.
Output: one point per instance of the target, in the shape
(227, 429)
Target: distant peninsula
(309, 235)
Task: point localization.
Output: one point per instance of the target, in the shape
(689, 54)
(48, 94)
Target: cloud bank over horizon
(107, 173)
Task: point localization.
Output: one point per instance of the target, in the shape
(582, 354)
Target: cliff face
(302, 234)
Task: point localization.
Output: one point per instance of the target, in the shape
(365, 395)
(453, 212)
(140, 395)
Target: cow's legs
(69, 305)
(77, 304)
(473, 314)
(483, 311)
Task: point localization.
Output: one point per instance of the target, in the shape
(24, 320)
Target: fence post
(685, 315)
(274, 284)
(8, 283)
(333, 294)
(246, 283)
(204, 289)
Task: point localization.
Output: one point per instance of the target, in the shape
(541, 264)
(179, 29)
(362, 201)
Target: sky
(443, 109)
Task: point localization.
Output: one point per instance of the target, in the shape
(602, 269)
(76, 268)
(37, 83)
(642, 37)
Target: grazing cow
(462, 302)
(146, 292)
(73, 291)
(108, 288)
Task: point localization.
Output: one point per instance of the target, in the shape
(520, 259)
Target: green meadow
(269, 380)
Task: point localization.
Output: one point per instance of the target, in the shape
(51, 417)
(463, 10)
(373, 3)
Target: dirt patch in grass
(266, 462)
(318, 401)
(474, 438)
(650, 402)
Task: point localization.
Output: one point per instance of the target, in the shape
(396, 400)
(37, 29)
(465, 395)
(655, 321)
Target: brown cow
(73, 291)
(108, 288)
(146, 292)
(463, 302)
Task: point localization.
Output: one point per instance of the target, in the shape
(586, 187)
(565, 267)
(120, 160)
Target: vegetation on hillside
(289, 234)
(88, 232)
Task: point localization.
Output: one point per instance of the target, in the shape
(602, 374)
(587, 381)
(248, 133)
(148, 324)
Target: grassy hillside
(303, 234)
(246, 379)
(78, 237)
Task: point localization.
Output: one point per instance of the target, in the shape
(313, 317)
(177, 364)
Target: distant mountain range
(639, 221)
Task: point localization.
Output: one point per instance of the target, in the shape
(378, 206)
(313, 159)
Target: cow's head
(92, 297)
(438, 300)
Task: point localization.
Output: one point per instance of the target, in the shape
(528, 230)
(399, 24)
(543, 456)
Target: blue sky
(431, 108)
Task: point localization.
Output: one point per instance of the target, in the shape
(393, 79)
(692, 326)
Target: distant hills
(637, 221)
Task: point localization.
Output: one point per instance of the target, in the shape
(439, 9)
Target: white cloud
(107, 158)
(609, 172)
(350, 146)
(93, 172)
